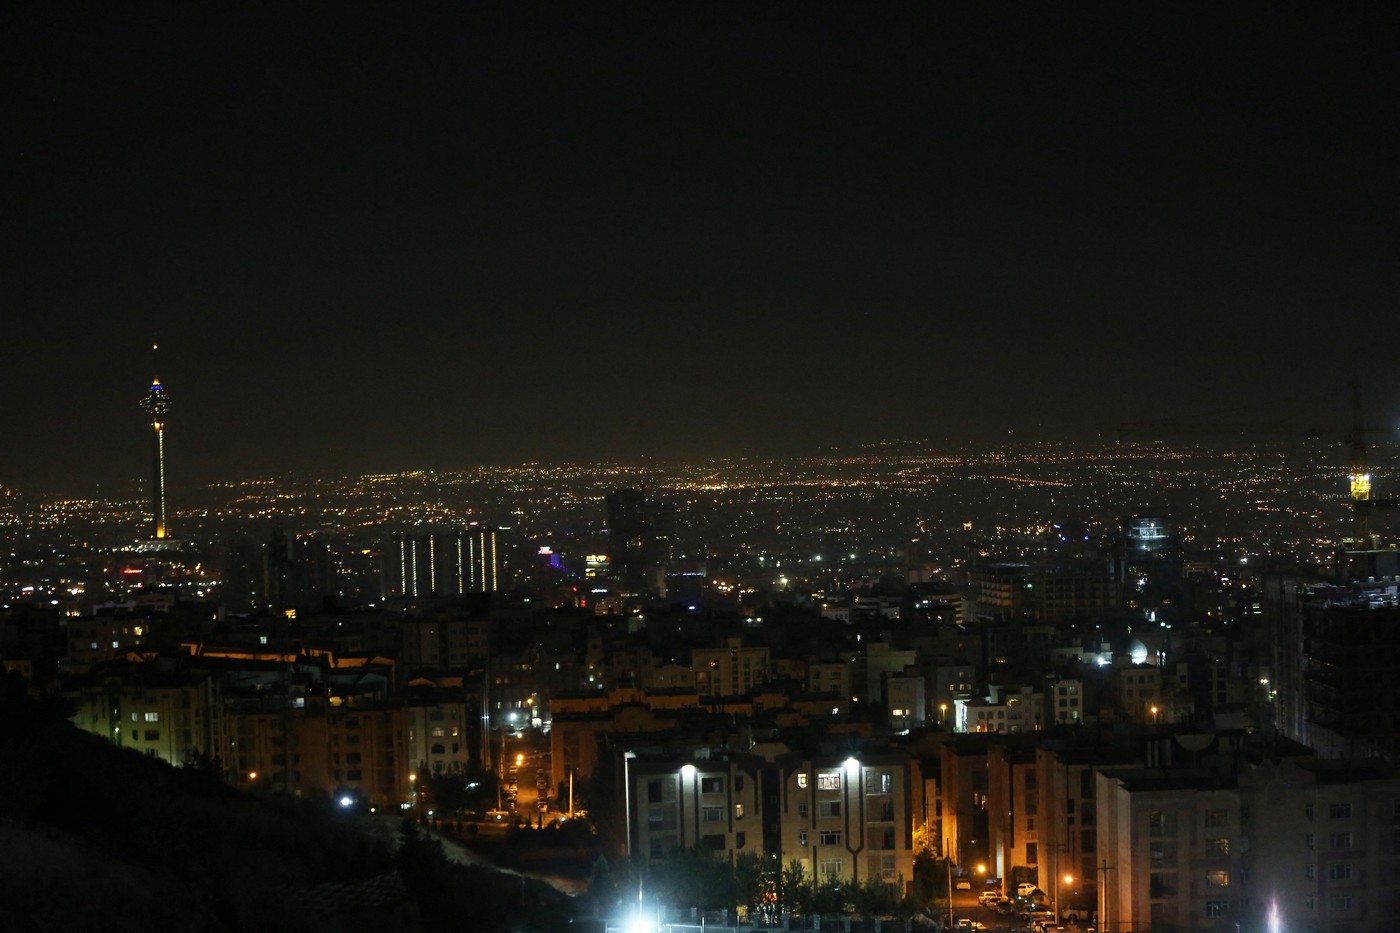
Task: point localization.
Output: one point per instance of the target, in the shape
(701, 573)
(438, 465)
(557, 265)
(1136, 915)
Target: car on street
(1077, 913)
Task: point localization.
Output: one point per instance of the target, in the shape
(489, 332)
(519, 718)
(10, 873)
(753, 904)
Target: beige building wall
(851, 818)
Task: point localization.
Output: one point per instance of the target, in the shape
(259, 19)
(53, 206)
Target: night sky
(387, 236)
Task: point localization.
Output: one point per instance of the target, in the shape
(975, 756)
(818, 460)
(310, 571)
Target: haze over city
(392, 237)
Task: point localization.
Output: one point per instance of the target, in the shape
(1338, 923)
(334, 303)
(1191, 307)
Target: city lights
(878, 466)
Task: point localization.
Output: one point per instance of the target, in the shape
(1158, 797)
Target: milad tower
(156, 404)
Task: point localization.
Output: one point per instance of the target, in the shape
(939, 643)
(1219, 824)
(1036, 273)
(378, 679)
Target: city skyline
(400, 240)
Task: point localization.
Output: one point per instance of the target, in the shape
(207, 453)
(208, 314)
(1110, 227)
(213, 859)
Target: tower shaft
(158, 479)
(156, 404)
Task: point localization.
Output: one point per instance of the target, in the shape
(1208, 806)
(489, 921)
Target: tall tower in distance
(156, 404)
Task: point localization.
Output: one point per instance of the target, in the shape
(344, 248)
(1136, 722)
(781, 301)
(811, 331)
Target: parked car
(1026, 889)
(963, 884)
(1076, 913)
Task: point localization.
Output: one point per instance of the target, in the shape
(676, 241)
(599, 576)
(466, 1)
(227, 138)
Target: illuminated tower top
(156, 403)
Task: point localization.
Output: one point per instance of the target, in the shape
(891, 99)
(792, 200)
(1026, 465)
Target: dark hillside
(94, 837)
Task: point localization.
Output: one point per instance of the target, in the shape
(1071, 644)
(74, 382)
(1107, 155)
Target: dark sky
(379, 236)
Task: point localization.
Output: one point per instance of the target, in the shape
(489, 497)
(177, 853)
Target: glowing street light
(641, 923)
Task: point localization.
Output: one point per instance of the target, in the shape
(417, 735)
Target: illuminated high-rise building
(481, 559)
(641, 545)
(445, 562)
(157, 404)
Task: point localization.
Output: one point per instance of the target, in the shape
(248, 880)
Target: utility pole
(947, 861)
(1104, 869)
(1054, 848)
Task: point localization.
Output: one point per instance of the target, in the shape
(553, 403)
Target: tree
(795, 889)
(874, 898)
(1022, 874)
(829, 895)
(756, 879)
(930, 878)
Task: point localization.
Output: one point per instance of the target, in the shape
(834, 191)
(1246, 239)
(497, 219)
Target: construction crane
(1358, 461)
(1359, 476)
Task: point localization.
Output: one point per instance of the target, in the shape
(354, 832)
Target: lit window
(802, 779)
(153, 717)
(829, 780)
